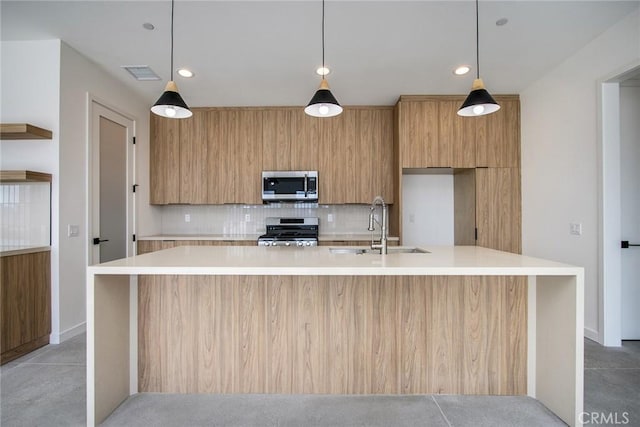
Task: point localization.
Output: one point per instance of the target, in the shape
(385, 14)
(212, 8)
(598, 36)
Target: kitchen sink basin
(390, 250)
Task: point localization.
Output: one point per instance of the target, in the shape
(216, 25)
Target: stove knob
(299, 243)
(267, 243)
(287, 243)
(308, 243)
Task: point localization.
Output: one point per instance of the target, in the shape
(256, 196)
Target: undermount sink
(390, 250)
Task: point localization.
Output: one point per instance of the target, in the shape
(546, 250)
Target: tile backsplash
(240, 220)
(25, 214)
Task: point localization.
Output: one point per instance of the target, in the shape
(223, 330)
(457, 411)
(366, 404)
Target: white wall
(30, 93)
(427, 210)
(560, 165)
(79, 77)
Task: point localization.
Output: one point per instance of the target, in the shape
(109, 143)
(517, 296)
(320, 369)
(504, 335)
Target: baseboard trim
(592, 335)
(69, 333)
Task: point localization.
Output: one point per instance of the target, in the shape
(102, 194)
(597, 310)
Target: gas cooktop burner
(290, 232)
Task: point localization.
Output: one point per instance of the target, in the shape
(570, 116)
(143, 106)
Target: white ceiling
(266, 52)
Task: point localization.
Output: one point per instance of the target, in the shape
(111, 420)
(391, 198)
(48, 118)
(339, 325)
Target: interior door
(111, 174)
(630, 209)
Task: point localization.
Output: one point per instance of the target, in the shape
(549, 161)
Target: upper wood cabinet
(498, 135)
(164, 158)
(431, 134)
(217, 155)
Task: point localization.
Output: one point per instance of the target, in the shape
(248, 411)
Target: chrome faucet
(383, 226)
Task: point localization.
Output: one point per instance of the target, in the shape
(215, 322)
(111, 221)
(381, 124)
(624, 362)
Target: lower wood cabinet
(25, 303)
(146, 246)
(352, 242)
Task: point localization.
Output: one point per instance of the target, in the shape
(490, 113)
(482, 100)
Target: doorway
(111, 177)
(630, 205)
(619, 208)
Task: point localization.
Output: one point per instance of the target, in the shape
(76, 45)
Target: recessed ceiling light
(148, 26)
(502, 21)
(323, 71)
(461, 70)
(185, 73)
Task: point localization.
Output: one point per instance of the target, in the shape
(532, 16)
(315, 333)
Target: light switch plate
(329, 217)
(575, 229)
(247, 217)
(73, 230)
(412, 218)
(187, 218)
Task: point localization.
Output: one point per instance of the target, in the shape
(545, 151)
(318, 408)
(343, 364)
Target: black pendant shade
(170, 104)
(323, 103)
(479, 102)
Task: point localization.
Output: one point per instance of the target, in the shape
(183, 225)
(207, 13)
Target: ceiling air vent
(141, 72)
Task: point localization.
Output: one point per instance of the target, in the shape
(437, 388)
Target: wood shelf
(24, 176)
(23, 131)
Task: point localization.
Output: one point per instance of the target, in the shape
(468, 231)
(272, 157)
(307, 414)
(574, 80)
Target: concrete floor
(47, 388)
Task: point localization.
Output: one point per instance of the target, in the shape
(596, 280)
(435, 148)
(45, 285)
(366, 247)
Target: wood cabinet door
(498, 209)
(193, 158)
(498, 136)
(164, 157)
(420, 145)
(245, 157)
(374, 155)
(277, 136)
(234, 154)
(458, 134)
(305, 140)
(337, 148)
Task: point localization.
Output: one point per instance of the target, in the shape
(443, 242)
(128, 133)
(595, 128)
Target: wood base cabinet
(25, 301)
(146, 246)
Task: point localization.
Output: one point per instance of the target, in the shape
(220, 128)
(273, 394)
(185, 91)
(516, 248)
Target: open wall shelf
(23, 131)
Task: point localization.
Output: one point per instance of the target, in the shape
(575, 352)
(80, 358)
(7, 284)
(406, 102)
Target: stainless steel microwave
(290, 186)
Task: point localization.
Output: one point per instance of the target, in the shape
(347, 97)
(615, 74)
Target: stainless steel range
(290, 232)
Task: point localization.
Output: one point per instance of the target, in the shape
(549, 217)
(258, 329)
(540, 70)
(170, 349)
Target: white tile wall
(239, 220)
(25, 214)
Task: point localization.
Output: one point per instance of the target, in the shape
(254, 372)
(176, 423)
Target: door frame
(609, 209)
(97, 107)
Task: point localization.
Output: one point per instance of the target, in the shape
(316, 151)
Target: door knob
(97, 240)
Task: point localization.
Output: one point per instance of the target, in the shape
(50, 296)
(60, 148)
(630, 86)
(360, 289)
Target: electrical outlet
(412, 218)
(575, 228)
(73, 230)
(187, 218)
(329, 217)
(247, 217)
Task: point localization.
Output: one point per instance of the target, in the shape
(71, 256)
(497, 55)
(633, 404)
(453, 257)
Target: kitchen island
(237, 319)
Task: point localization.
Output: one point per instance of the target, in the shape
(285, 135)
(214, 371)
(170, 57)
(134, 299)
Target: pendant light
(170, 104)
(323, 103)
(479, 102)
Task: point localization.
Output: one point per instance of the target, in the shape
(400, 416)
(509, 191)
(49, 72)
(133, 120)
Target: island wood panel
(420, 146)
(498, 209)
(333, 334)
(498, 135)
(277, 125)
(445, 336)
(458, 133)
(164, 162)
(25, 303)
(193, 158)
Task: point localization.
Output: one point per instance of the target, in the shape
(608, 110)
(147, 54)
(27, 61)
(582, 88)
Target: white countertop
(256, 260)
(322, 237)
(22, 250)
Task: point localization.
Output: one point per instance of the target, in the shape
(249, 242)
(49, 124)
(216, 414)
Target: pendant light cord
(323, 66)
(172, 4)
(477, 43)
